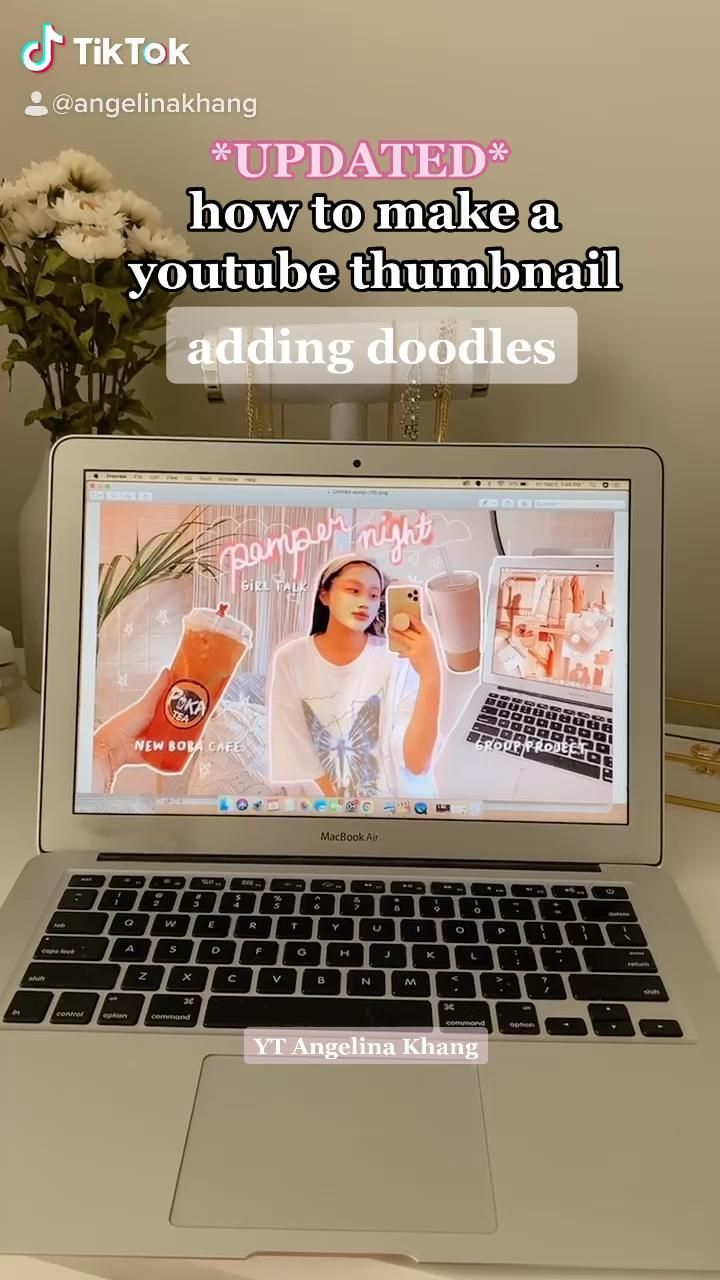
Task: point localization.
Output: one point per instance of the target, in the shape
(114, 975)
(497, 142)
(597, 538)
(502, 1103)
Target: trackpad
(336, 1147)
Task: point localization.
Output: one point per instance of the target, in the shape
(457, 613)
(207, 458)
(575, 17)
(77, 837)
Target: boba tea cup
(456, 604)
(211, 647)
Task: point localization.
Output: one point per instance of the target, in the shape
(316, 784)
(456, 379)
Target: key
(276, 904)
(276, 982)
(200, 901)
(407, 886)
(130, 949)
(500, 986)
(66, 948)
(477, 908)
(120, 1010)
(302, 953)
(232, 980)
(254, 883)
(516, 958)
(169, 926)
(518, 908)
(455, 985)
(367, 886)
(356, 904)
(305, 1011)
(321, 982)
(545, 986)
(28, 1006)
(173, 1011)
(418, 930)
(609, 1012)
(621, 935)
(238, 903)
(408, 983)
(517, 1019)
(657, 1028)
(118, 900)
(473, 957)
(559, 959)
(74, 1007)
(317, 904)
(294, 927)
(187, 978)
(615, 1029)
(345, 955)
(207, 882)
(496, 932)
(75, 922)
(85, 881)
(167, 882)
(73, 976)
(605, 891)
(365, 982)
(253, 927)
(457, 931)
(128, 926)
(448, 886)
(489, 889)
(565, 1027)
(258, 952)
(157, 900)
(172, 952)
(615, 986)
(528, 891)
(127, 882)
(390, 956)
(557, 910)
(330, 929)
(398, 905)
(327, 886)
(568, 891)
(211, 926)
(589, 935)
(77, 900)
(430, 957)
(215, 952)
(542, 934)
(618, 960)
(287, 885)
(465, 1013)
(140, 977)
(616, 912)
(377, 931)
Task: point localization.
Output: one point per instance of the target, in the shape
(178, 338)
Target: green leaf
(55, 259)
(138, 408)
(11, 316)
(44, 286)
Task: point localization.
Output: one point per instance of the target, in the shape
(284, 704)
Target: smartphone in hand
(402, 604)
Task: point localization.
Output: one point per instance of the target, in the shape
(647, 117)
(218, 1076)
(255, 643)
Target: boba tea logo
(186, 704)
(39, 55)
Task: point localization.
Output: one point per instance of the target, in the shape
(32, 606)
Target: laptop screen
(400, 649)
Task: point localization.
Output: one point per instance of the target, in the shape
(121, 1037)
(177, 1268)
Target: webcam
(357, 462)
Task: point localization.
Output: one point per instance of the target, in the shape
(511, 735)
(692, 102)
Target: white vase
(32, 548)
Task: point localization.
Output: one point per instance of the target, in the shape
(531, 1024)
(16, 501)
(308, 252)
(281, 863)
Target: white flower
(38, 178)
(136, 210)
(8, 196)
(30, 221)
(162, 243)
(90, 244)
(100, 210)
(84, 172)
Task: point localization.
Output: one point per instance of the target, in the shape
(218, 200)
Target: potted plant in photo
(65, 233)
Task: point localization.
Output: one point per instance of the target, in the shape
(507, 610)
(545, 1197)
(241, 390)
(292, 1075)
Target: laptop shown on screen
(351, 759)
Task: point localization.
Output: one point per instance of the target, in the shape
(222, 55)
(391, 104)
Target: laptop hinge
(236, 860)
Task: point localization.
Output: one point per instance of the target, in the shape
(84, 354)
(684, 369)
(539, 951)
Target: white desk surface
(693, 857)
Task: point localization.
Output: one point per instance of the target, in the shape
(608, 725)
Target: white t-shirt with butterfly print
(346, 722)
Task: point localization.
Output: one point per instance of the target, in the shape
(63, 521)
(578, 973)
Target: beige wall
(610, 109)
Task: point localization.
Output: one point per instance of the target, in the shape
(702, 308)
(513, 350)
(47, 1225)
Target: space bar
(291, 1011)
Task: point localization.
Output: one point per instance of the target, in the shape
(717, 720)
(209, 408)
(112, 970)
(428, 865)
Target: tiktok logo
(39, 55)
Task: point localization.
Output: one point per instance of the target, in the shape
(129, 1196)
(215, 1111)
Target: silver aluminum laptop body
(586, 1152)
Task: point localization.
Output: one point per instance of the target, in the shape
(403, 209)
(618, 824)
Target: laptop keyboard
(223, 953)
(578, 741)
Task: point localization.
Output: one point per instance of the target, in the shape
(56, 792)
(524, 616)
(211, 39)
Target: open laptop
(539, 727)
(243, 828)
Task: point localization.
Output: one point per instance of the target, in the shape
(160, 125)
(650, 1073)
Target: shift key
(616, 986)
(87, 977)
(78, 922)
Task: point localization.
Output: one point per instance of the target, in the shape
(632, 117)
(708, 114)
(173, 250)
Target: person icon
(36, 107)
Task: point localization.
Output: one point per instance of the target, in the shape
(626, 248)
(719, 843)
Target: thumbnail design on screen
(347, 660)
